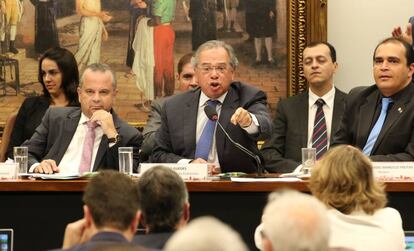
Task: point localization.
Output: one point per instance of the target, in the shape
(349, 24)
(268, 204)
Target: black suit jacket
(396, 139)
(176, 138)
(282, 152)
(53, 136)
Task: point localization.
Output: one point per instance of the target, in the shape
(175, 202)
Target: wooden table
(38, 210)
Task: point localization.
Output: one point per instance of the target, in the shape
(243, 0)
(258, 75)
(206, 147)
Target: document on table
(56, 176)
(288, 179)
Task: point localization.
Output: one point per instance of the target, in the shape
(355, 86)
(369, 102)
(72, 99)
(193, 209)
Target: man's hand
(241, 117)
(47, 166)
(406, 36)
(75, 233)
(105, 120)
(212, 168)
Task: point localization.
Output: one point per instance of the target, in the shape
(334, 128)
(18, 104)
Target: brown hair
(112, 199)
(344, 180)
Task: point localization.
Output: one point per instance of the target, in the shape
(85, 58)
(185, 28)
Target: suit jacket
(282, 152)
(57, 128)
(176, 138)
(152, 240)
(101, 239)
(153, 123)
(396, 139)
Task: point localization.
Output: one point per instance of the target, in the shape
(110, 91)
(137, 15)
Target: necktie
(206, 139)
(319, 135)
(375, 131)
(86, 160)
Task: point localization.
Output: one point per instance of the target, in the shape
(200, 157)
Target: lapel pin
(400, 110)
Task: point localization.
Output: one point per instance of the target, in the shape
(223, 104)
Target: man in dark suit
(73, 139)
(164, 206)
(110, 214)
(242, 112)
(380, 118)
(294, 123)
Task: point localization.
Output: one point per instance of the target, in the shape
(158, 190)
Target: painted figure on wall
(137, 8)
(163, 12)
(261, 24)
(92, 31)
(203, 21)
(229, 9)
(46, 34)
(12, 13)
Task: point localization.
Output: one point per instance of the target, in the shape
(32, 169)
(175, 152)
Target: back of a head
(163, 195)
(206, 234)
(343, 179)
(118, 247)
(112, 199)
(294, 221)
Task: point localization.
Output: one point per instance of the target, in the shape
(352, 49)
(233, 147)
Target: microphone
(212, 115)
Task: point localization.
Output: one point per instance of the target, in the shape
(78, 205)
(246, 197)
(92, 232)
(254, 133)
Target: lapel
(189, 120)
(394, 114)
(103, 146)
(338, 110)
(68, 131)
(304, 118)
(365, 116)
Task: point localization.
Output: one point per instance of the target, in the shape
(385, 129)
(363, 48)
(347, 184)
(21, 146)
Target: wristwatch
(115, 139)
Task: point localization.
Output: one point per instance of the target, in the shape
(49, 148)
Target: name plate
(9, 170)
(186, 171)
(394, 171)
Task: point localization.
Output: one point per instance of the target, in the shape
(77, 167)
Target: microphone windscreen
(211, 112)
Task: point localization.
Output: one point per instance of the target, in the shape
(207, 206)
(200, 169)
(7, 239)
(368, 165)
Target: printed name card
(186, 171)
(394, 171)
(9, 170)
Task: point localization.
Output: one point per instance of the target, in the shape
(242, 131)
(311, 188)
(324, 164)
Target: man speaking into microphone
(187, 135)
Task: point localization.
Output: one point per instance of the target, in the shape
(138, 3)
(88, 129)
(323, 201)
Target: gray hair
(214, 44)
(206, 234)
(101, 68)
(294, 221)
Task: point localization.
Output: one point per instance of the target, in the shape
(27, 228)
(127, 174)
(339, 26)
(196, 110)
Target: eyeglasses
(208, 69)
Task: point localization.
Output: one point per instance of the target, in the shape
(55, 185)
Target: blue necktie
(206, 139)
(375, 131)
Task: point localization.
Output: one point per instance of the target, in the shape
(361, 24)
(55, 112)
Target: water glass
(308, 159)
(20, 154)
(125, 156)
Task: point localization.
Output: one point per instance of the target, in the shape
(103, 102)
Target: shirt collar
(328, 98)
(83, 119)
(203, 99)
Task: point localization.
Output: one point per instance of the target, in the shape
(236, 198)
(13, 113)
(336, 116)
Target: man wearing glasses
(186, 134)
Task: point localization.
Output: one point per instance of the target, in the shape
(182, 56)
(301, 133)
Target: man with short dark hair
(308, 119)
(379, 119)
(163, 199)
(110, 213)
(84, 139)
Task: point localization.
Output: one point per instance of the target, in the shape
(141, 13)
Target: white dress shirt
(327, 110)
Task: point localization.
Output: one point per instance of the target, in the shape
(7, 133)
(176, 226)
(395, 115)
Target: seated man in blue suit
(187, 135)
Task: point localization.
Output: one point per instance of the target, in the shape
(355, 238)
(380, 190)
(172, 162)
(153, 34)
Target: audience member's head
(163, 199)
(206, 234)
(118, 247)
(111, 202)
(393, 65)
(58, 73)
(293, 221)
(319, 66)
(185, 73)
(97, 89)
(343, 179)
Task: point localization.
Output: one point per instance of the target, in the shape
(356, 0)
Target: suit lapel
(338, 110)
(365, 118)
(304, 117)
(189, 120)
(70, 126)
(103, 146)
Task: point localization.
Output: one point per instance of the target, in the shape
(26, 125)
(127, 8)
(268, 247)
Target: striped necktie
(320, 135)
